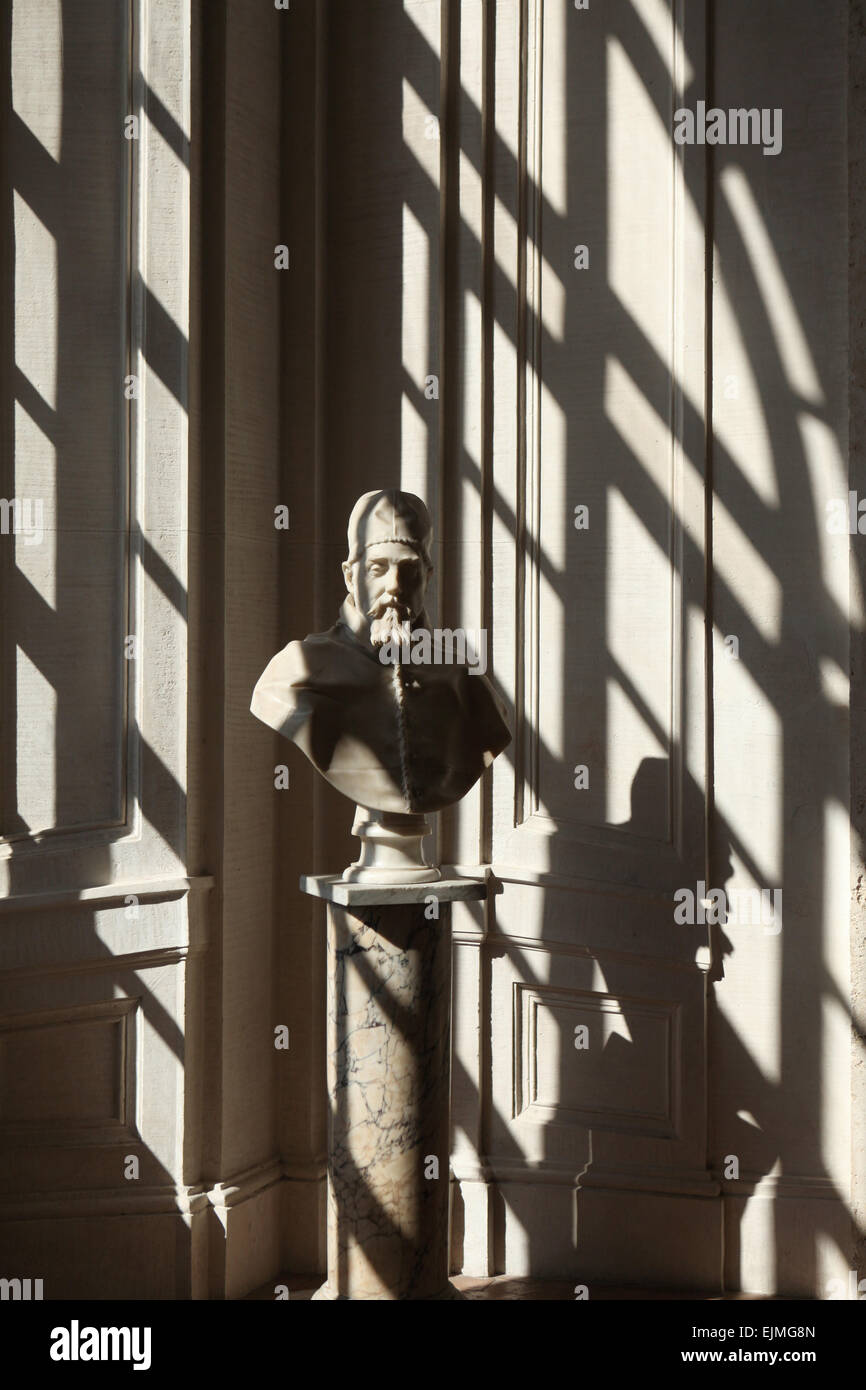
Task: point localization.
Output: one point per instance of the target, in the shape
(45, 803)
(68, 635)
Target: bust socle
(394, 736)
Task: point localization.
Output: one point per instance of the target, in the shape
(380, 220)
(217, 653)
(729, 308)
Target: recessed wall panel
(64, 228)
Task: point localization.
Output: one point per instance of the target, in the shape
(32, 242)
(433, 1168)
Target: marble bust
(398, 736)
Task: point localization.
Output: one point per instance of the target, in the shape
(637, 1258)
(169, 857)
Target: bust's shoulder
(287, 691)
(294, 660)
(318, 658)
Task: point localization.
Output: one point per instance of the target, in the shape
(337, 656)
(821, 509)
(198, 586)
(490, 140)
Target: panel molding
(529, 1109)
(153, 462)
(537, 835)
(82, 835)
(52, 1131)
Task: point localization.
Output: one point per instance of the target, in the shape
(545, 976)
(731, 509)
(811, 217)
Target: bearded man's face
(388, 585)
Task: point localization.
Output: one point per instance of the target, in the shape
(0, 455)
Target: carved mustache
(392, 606)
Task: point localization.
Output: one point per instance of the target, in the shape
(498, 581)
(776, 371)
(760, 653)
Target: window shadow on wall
(76, 774)
(69, 638)
(773, 1118)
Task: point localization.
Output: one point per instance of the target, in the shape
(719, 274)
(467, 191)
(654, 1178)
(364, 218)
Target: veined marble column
(389, 1075)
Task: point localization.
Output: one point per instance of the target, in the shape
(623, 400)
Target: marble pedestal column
(389, 1074)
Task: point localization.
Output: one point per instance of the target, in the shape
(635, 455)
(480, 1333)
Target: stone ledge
(335, 889)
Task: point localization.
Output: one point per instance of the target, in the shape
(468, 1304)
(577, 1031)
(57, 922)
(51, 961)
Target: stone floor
(505, 1287)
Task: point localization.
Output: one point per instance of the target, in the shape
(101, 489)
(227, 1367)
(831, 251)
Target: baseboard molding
(789, 1236)
(172, 1241)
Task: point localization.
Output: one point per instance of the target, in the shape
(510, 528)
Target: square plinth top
(337, 890)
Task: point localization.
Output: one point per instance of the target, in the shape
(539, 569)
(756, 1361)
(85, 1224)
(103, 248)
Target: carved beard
(391, 621)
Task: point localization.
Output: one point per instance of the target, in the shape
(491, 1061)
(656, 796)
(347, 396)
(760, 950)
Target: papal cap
(389, 515)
